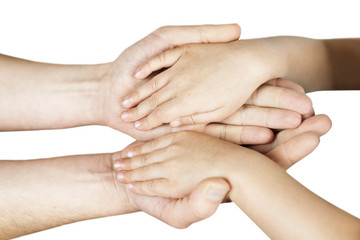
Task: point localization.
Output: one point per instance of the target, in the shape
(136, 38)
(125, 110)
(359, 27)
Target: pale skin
(47, 96)
(317, 65)
(199, 71)
(173, 164)
(46, 193)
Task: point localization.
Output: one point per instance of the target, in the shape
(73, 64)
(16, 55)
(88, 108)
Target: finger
(150, 146)
(152, 171)
(165, 59)
(198, 118)
(148, 105)
(277, 97)
(145, 90)
(154, 187)
(118, 155)
(319, 124)
(142, 160)
(279, 82)
(266, 117)
(295, 149)
(162, 114)
(240, 134)
(178, 35)
(200, 204)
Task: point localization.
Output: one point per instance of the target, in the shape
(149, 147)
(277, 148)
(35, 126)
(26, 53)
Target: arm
(277, 203)
(45, 193)
(42, 96)
(47, 96)
(283, 208)
(316, 64)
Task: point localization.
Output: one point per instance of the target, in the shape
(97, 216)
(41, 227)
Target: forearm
(48, 96)
(283, 208)
(303, 60)
(45, 193)
(344, 55)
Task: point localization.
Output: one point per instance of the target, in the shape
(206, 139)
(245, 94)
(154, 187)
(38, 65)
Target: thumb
(201, 203)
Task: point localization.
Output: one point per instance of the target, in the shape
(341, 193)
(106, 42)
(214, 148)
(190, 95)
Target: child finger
(145, 107)
(165, 59)
(145, 90)
(142, 160)
(147, 147)
(154, 187)
(149, 172)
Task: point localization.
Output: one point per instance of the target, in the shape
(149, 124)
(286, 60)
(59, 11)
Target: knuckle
(152, 85)
(158, 114)
(152, 102)
(162, 58)
(145, 159)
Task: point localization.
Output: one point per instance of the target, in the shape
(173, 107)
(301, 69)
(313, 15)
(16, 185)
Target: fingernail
(127, 102)
(137, 124)
(130, 186)
(216, 194)
(120, 176)
(124, 115)
(130, 154)
(118, 165)
(138, 74)
(175, 123)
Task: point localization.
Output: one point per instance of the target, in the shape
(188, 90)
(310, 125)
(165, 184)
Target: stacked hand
(186, 170)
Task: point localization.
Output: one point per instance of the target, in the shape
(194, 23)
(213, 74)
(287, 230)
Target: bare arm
(344, 55)
(283, 208)
(332, 64)
(46, 96)
(45, 193)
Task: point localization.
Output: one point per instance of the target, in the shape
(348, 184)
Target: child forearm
(283, 208)
(344, 55)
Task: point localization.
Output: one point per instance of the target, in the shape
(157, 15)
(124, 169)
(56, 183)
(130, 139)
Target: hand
(201, 203)
(208, 82)
(172, 165)
(119, 76)
(276, 104)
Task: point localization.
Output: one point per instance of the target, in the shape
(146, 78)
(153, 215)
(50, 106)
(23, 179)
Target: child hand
(206, 83)
(173, 165)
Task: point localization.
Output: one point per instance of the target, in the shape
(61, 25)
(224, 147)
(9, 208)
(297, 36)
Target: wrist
(264, 58)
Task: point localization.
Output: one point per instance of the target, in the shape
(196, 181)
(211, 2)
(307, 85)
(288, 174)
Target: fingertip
(118, 165)
(175, 123)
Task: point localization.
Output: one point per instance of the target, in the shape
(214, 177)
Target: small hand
(206, 83)
(172, 165)
(119, 76)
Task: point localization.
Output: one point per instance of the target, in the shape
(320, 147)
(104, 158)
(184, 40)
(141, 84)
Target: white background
(97, 31)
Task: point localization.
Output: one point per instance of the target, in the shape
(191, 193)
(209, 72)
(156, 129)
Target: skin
(173, 164)
(314, 64)
(49, 96)
(46, 193)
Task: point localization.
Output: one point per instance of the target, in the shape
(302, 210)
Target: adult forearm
(284, 209)
(45, 193)
(47, 96)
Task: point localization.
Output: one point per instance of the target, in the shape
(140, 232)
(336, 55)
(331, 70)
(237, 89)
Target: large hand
(120, 80)
(201, 203)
